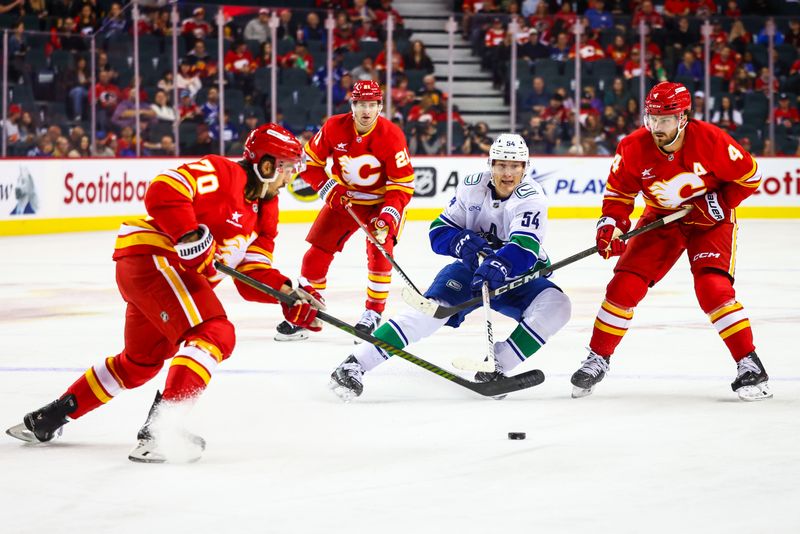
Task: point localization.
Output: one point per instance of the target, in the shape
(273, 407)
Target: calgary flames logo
(231, 251)
(362, 170)
(675, 191)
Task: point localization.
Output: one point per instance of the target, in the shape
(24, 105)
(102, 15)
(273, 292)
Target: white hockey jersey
(518, 221)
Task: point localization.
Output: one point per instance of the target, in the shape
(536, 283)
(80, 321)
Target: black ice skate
(592, 371)
(346, 380)
(491, 376)
(45, 423)
(369, 321)
(185, 446)
(751, 379)
(289, 332)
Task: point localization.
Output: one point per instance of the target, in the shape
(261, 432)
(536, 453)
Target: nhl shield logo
(424, 181)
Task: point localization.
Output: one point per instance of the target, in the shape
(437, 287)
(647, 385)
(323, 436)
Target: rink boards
(65, 195)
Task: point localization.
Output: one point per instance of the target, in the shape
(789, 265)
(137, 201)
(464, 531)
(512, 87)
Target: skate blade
(147, 453)
(22, 433)
(299, 336)
(345, 394)
(754, 393)
(578, 393)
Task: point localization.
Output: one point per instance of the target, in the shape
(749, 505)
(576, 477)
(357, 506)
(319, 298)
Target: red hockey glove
(196, 251)
(303, 312)
(608, 242)
(707, 210)
(334, 195)
(384, 226)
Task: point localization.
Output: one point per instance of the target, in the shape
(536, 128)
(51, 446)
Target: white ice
(663, 445)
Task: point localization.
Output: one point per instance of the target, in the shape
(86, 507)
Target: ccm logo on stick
(702, 255)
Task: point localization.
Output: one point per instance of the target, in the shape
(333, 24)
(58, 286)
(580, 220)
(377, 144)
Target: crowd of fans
(50, 78)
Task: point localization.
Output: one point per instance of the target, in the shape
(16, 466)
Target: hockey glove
(707, 210)
(469, 246)
(196, 251)
(303, 312)
(335, 195)
(608, 241)
(384, 226)
(493, 270)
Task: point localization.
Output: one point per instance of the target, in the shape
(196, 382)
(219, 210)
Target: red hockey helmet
(366, 90)
(668, 98)
(272, 140)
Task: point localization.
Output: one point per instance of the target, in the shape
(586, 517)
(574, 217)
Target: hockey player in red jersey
(209, 209)
(675, 162)
(372, 173)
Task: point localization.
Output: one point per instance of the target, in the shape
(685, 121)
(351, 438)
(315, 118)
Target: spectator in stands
(538, 98)
(264, 58)
(648, 14)
(699, 106)
(398, 65)
(166, 82)
(560, 49)
(187, 78)
(257, 28)
(793, 35)
(762, 81)
(314, 30)
(495, 35)
(556, 111)
(106, 145)
(86, 21)
(532, 133)
(195, 27)
(366, 31)
(633, 116)
(75, 134)
(240, 66)
(618, 50)
(726, 116)
(533, 49)
(438, 97)
(402, 96)
(107, 96)
(320, 78)
(75, 82)
(299, 58)
(229, 133)
(786, 114)
(739, 38)
(365, 71)
(82, 149)
(424, 111)
(43, 149)
(343, 35)
(704, 8)
(341, 92)
(741, 85)
(684, 36)
(126, 112)
(61, 147)
(564, 20)
(591, 49)
(162, 110)
(732, 9)
(360, 12)
(203, 143)
(633, 67)
(27, 131)
(425, 140)
(287, 27)
(763, 38)
(114, 23)
(202, 63)
(11, 126)
(674, 9)
(617, 95)
(417, 58)
(690, 67)
(598, 17)
(165, 147)
(188, 110)
(477, 140)
(210, 109)
(723, 64)
(651, 49)
(126, 143)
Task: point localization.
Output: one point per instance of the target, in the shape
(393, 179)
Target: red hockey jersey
(209, 191)
(375, 165)
(709, 160)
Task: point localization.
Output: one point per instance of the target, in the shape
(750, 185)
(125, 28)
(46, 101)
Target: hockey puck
(516, 435)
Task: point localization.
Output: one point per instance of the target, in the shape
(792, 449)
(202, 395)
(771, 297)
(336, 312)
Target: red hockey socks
(717, 298)
(623, 293)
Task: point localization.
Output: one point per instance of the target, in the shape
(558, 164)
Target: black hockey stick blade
(429, 307)
(500, 386)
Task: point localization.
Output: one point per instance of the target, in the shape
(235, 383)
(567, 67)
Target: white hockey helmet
(509, 147)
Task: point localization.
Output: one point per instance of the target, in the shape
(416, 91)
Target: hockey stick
(386, 255)
(438, 311)
(488, 389)
(466, 363)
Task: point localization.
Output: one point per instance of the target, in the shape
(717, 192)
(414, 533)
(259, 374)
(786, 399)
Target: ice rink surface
(663, 445)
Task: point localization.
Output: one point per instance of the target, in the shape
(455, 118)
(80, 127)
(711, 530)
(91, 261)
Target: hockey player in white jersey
(494, 227)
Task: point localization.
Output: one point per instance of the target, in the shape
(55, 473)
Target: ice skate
(369, 321)
(491, 376)
(289, 332)
(45, 423)
(346, 380)
(751, 379)
(160, 440)
(592, 371)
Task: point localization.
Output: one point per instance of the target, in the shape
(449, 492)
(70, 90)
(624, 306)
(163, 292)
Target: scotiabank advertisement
(40, 195)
